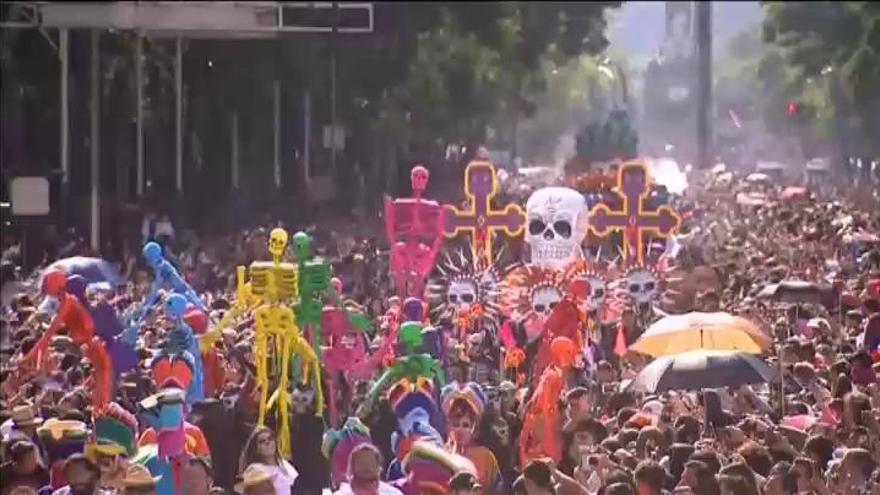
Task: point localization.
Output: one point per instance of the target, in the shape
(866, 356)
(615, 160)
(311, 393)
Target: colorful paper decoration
(480, 221)
(633, 219)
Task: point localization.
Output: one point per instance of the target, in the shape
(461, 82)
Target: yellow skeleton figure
(273, 284)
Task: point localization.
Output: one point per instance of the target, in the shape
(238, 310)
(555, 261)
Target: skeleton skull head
(544, 299)
(277, 242)
(461, 294)
(301, 399)
(302, 244)
(419, 179)
(598, 291)
(641, 285)
(557, 219)
(175, 305)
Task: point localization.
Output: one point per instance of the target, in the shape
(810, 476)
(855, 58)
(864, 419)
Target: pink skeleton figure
(415, 231)
(344, 354)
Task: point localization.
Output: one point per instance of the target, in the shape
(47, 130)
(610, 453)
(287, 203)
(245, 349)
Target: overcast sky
(638, 28)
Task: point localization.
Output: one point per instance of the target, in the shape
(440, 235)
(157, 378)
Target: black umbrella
(701, 369)
(795, 291)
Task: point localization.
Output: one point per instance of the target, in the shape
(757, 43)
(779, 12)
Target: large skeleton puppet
(557, 224)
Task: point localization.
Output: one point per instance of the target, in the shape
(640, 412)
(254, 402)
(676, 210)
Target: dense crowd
(822, 438)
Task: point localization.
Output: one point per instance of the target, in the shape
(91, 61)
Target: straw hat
(251, 477)
(139, 476)
(24, 415)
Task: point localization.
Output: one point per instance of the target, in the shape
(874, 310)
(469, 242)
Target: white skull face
(461, 294)
(641, 285)
(597, 291)
(557, 219)
(544, 299)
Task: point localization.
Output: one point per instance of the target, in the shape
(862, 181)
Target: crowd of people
(814, 430)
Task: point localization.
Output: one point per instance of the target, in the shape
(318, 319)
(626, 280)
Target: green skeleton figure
(412, 365)
(314, 284)
(314, 288)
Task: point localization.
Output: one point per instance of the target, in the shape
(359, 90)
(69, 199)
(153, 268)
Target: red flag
(620, 346)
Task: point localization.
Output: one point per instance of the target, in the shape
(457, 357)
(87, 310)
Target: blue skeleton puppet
(178, 373)
(183, 344)
(167, 278)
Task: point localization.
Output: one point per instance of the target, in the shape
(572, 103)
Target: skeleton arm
(38, 352)
(180, 286)
(311, 369)
(390, 375)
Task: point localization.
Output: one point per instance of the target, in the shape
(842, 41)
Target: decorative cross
(633, 220)
(480, 220)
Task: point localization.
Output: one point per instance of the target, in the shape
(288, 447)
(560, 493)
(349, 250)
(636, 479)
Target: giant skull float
(557, 223)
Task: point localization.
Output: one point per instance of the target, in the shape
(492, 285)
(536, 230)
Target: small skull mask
(461, 294)
(544, 299)
(419, 179)
(641, 285)
(277, 242)
(598, 291)
(301, 399)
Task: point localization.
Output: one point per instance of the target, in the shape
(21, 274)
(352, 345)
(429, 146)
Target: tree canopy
(832, 50)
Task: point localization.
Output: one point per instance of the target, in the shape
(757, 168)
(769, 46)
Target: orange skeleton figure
(541, 428)
(81, 329)
(566, 320)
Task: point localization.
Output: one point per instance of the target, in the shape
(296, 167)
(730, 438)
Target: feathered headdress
(115, 432)
(527, 288)
(467, 281)
(415, 406)
(173, 370)
(338, 444)
(428, 467)
(471, 394)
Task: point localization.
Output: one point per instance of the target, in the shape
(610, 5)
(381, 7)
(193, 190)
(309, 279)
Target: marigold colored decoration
(480, 220)
(633, 187)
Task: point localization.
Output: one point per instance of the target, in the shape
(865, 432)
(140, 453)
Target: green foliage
(822, 43)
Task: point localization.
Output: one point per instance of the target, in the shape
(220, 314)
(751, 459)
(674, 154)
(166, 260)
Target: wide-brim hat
(251, 477)
(139, 476)
(25, 416)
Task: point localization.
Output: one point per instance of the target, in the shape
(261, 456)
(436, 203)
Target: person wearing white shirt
(261, 450)
(364, 473)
